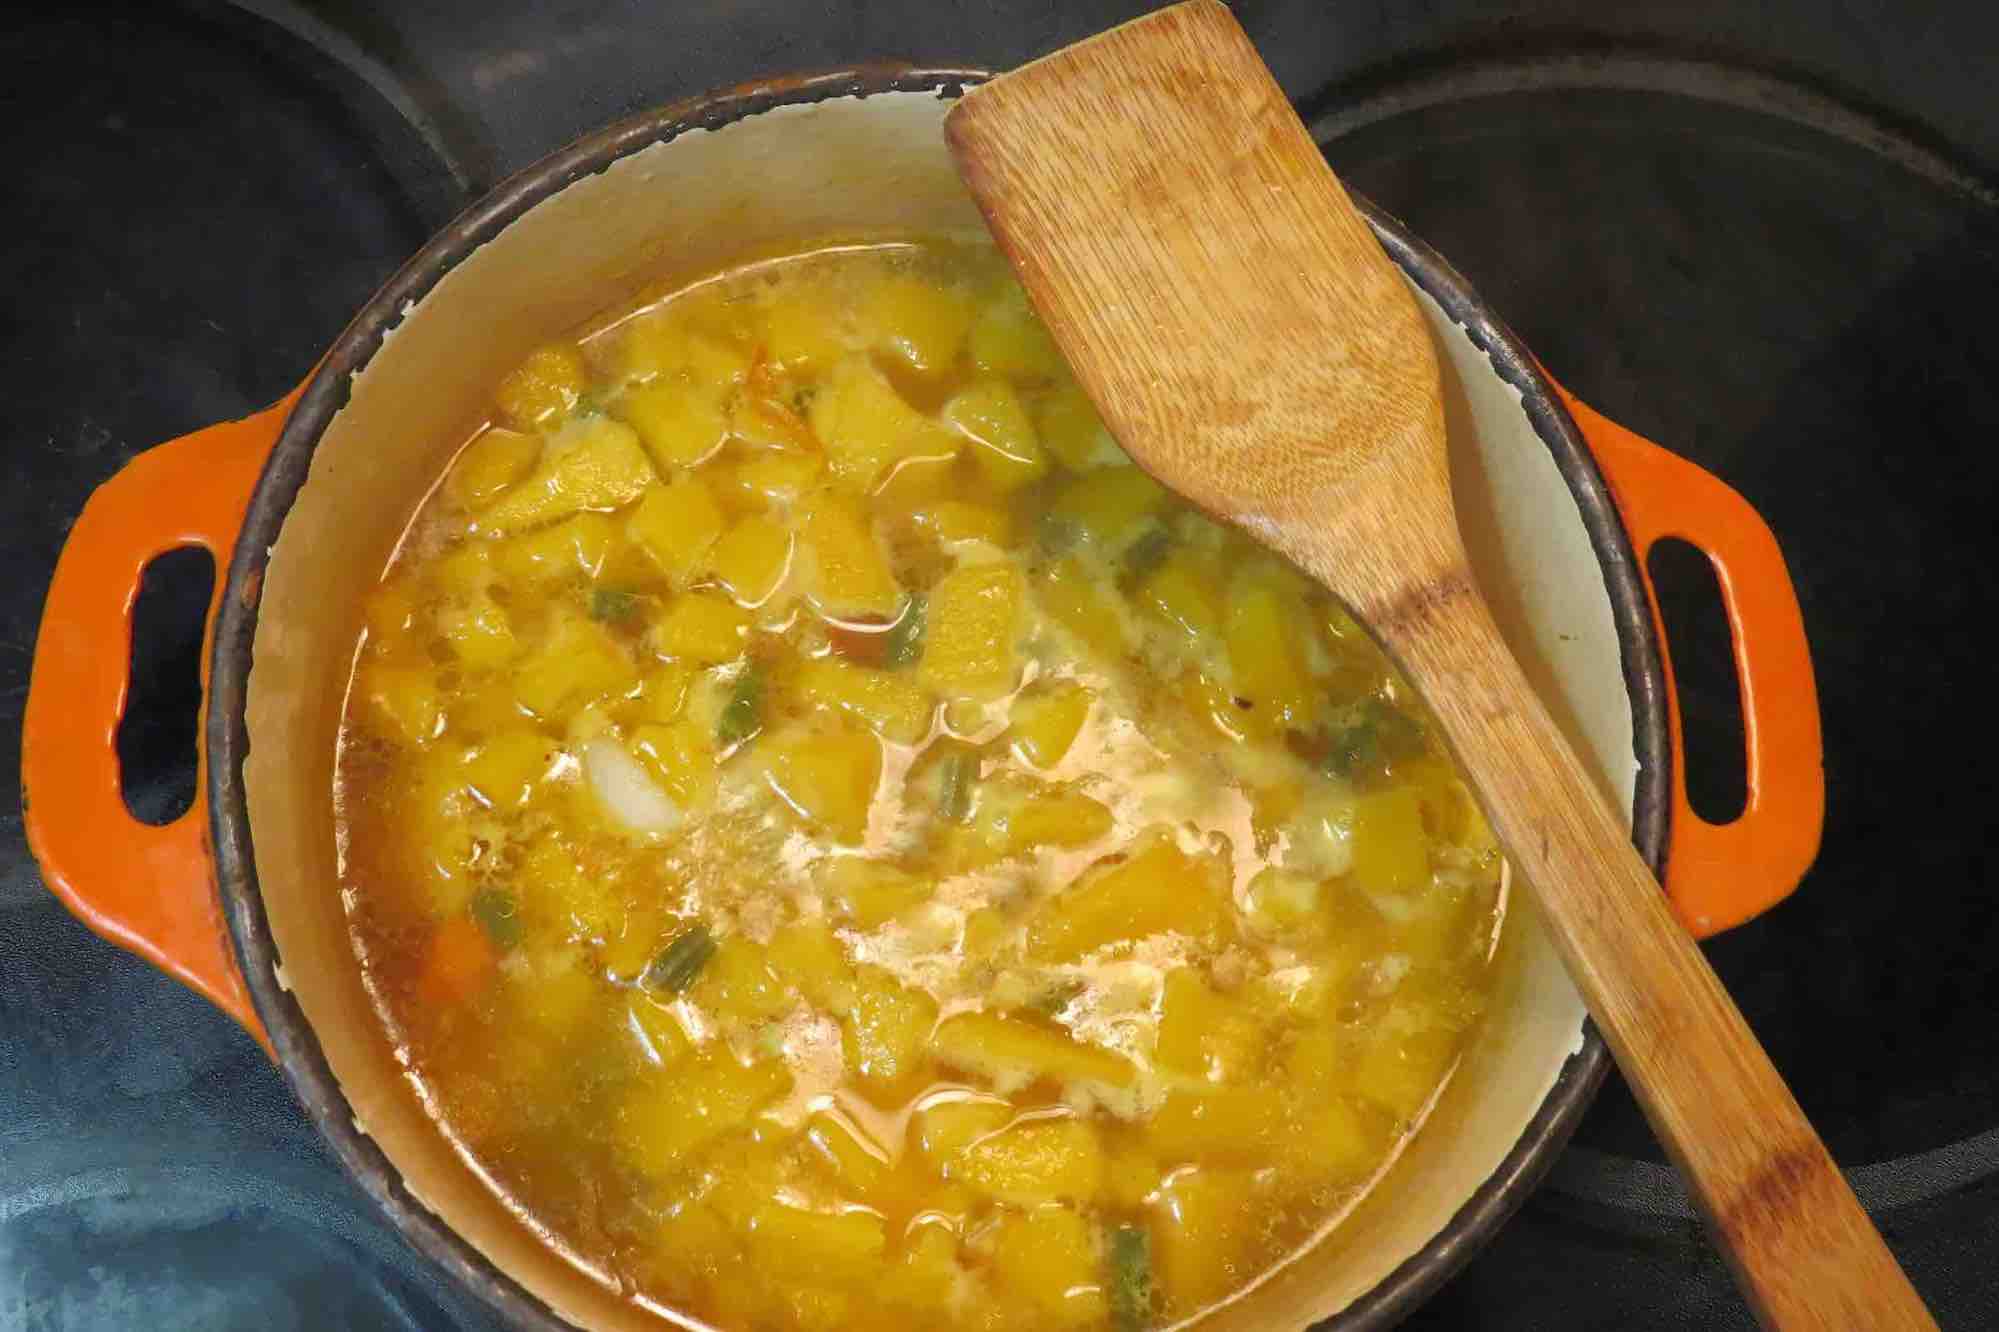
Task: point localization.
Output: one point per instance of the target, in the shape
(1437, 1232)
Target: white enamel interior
(787, 176)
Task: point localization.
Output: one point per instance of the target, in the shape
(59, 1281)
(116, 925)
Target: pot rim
(298, 1051)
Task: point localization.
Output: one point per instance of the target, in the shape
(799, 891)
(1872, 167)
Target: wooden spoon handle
(1802, 1249)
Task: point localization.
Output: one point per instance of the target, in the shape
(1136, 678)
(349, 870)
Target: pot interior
(787, 176)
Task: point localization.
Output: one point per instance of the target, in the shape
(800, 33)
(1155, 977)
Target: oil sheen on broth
(841, 847)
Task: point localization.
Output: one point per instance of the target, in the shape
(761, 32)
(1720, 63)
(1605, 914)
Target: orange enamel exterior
(1719, 875)
(151, 890)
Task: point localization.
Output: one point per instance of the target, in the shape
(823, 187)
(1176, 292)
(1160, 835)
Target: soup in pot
(839, 846)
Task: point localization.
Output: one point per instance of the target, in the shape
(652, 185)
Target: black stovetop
(1760, 235)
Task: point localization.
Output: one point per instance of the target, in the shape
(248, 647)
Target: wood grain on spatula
(1250, 345)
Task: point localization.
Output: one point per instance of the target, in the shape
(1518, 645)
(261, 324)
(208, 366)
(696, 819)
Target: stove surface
(1766, 239)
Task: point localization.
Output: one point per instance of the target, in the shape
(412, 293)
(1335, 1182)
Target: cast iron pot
(306, 500)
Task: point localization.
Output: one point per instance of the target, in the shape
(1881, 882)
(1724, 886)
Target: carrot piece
(459, 963)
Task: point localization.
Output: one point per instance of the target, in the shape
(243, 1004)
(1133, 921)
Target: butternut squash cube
(858, 1167)
(1264, 632)
(680, 755)
(576, 662)
(1335, 1140)
(665, 1122)
(663, 692)
(737, 984)
(1013, 1052)
(494, 460)
(405, 700)
(1007, 451)
(390, 611)
(973, 620)
(1204, 1035)
(1107, 509)
(1399, 1072)
(662, 346)
(801, 334)
(1045, 721)
(868, 893)
(676, 524)
(846, 571)
(1157, 889)
(889, 701)
(865, 426)
(919, 323)
(679, 424)
(1218, 1124)
(953, 521)
(478, 632)
(805, 954)
(1391, 852)
(1034, 1161)
(942, 1129)
(752, 559)
(1071, 429)
(829, 777)
(560, 898)
(765, 481)
(1202, 1226)
(505, 769)
(1008, 339)
(923, 1276)
(596, 464)
(576, 547)
(662, 1041)
(1183, 593)
(885, 1033)
(1048, 1258)
(1077, 600)
(827, 1246)
(1057, 818)
(544, 387)
(705, 628)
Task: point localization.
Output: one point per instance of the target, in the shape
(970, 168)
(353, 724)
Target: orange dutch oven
(303, 502)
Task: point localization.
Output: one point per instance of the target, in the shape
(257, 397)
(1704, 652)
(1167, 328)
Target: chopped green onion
(902, 644)
(957, 770)
(499, 915)
(680, 961)
(1057, 996)
(1131, 1278)
(1377, 734)
(742, 716)
(1148, 552)
(613, 604)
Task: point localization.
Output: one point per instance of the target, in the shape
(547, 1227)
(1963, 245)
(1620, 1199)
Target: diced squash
(601, 467)
(1332, 1139)
(886, 1031)
(752, 559)
(702, 627)
(661, 346)
(1057, 818)
(889, 701)
(765, 481)
(846, 572)
(406, 699)
(858, 1167)
(737, 985)
(680, 756)
(494, 460)
(1072, 431)
(679, 424)
(1006, 448)
(1399, 1071)
(866, 427)
(1218, 1124)
(663, 692)
(832, 1246)
(1048, 1258)
(829, 777)
(1080, 603)
(941, 1129)
(576, 662)
(1131, 1174)
(662, 1041)
(952, 521)
(505, 769)
(543, 387)
(1007, 339)
(560, 897)
(925, 1273)
(391, 611)
(868, 893)
(1157, 889)
(552, 997)
(1045, 721)
(664, 1122)
(972, 621)
(921, 324)
(1014, 1052)
(915, 482)
(1204, 1035)
(1264, 632)
(577, 547)
(1390, 849)
(1109, 509)
(1034, 1161)
(805, 954)
(1202, 1223)
(676, 524)
(803, 335)
(1183, 592)
(478, 632)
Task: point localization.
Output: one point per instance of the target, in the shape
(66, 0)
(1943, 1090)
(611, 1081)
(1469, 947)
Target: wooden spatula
(1251, 346)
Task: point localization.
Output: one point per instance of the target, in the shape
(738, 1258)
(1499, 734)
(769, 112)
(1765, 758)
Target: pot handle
(148, 889)
(1720, 875)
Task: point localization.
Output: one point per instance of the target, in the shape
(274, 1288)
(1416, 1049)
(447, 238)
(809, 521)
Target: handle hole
(156, 736)
(1703, 650)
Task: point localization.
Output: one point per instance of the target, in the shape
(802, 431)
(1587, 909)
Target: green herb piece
(613, 604)
(1147, 553)
(1057, 996)
(680, 961)
(1055, 533)
(742, 716)
(902, 644)
(1376, 735)
(1131, 1278)
(499, 915)
(957, 770)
